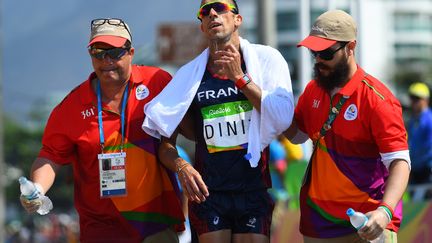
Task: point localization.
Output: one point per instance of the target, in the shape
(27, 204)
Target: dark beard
(336, 78)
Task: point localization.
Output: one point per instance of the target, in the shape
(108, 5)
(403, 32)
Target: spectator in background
(420, 134)
(286, 164)
(296, 167)
(278, 166)
(294, 152)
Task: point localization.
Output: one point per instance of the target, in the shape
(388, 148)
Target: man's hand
(230, 60)
(193, 185)
(378, 221)
(30, 206)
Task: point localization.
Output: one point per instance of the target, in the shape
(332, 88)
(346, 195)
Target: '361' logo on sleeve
(87, 113)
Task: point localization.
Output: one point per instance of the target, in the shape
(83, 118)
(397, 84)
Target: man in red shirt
(122, 193)
(360, 157)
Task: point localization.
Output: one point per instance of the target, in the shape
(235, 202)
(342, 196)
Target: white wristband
(386, 213)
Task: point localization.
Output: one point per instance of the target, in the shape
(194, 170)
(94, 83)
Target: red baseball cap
(111, 34)
(329, 28)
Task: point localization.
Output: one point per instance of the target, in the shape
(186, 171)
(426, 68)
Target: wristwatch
(243, 81)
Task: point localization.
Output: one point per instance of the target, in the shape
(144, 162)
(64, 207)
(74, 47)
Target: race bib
(226, 126)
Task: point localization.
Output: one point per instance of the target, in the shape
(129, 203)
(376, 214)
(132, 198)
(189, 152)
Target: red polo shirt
(72, 136)
(347, 169)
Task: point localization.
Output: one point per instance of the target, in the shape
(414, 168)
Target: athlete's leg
(167, 235)
(211, 219)
(250, 238)
(253, 217)
(215, 236)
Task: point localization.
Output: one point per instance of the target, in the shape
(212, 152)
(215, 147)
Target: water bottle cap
(350, 212)
(22, 180)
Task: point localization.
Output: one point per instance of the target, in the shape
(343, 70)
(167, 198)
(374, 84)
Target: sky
(44, 42)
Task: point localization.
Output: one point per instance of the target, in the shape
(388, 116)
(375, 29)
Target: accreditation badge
(112, 174)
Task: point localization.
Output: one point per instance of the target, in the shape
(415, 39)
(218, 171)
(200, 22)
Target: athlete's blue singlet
(222, 114)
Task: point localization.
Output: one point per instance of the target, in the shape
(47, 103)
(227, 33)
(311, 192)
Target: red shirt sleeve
(388, 127)
(56, 145)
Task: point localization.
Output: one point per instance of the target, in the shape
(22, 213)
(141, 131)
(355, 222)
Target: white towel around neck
(267, 68)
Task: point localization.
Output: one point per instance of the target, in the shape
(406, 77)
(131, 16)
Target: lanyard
(122, 115)
(334, 111)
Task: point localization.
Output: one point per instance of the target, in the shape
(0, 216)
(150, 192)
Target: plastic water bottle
(31, 192)
(358, 220)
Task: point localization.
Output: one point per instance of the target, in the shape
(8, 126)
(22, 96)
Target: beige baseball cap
(114, 32)
(329, 28)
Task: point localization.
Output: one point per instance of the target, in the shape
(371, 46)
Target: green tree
(21, 147)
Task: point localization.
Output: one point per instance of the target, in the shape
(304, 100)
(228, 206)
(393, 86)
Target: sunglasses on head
(113, 53)
(328, 53)
(116, 22)
(219, 7)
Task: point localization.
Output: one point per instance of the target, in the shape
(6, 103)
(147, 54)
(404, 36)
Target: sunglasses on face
(328, 53)
(116, 22)
(113, 53)
(219, 7)
(414, 98)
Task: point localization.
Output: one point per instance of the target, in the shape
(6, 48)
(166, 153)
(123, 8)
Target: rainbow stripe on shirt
(337, 183)
(148, 206)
